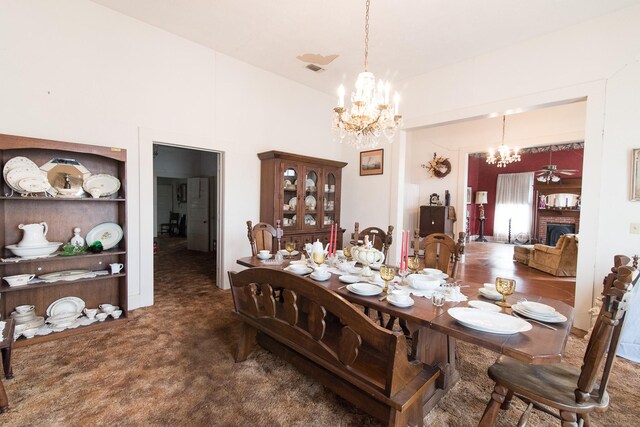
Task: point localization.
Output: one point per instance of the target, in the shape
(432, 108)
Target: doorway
(186, 203)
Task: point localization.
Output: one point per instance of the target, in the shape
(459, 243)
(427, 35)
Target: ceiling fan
(551, 173)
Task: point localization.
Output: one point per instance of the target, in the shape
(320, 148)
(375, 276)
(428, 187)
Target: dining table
(435, 331)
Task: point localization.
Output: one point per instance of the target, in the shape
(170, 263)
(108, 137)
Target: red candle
(402, 252)
(330, 239)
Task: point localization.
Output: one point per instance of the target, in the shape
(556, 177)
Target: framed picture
(469, 192)
(635, 178)
(371, 162)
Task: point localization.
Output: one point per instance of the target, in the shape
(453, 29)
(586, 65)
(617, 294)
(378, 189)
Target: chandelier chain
(366, 37)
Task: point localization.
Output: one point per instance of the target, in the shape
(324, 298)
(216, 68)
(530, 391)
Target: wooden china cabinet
(62, 215)
(304, 193)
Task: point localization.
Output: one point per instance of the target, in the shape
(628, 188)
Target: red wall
(484, 177)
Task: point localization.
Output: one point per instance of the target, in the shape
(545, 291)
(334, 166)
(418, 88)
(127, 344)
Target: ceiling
(407, 37)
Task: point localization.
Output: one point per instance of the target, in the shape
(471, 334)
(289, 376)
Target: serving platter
(107, 233)
(66, 305)
(487, 321)
(107, 184)
(67, 275)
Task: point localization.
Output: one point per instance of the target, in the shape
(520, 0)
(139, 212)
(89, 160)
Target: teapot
(34, 234)
(365, 255)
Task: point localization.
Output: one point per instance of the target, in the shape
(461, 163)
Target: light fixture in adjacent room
(481, 199)
(505, 155)
(371, 114)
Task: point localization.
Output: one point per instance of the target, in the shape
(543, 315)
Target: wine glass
(319, 257)
(290, 247)
(413, 264)
(505, 287)
(387, 273)
(347, 252)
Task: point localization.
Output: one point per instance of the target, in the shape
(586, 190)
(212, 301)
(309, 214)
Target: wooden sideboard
(435, 219)
(303, 192)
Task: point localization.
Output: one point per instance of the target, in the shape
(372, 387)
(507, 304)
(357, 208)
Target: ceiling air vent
(314, 68)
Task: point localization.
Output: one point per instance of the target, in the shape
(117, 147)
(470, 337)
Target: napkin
(2, 325)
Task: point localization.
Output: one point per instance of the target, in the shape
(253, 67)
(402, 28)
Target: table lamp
(481, 199)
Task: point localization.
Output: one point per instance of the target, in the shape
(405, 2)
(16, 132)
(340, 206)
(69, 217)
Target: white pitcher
(34, 234)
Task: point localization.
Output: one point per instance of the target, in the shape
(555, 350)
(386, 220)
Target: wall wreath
(438, 167)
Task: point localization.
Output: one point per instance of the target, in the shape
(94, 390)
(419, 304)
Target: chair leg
(585, 420)
(569, 419)
(246, 342)
(507, 401)
(493, 407)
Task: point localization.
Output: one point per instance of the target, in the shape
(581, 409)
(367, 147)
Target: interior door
(198, 214)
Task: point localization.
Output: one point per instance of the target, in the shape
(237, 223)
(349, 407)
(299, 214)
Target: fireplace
(554, 231)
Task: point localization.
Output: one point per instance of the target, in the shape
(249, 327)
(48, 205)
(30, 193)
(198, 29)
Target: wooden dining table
(436, 331)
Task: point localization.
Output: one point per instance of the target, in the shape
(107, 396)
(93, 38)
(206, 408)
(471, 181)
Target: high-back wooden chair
(439, 251)
(379, 239)
(261, 236)
(573, 392)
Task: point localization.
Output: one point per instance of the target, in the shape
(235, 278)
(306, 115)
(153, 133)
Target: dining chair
(261, 236)
(574, 393)
(440, 251)
(171, 227)
(377, 236)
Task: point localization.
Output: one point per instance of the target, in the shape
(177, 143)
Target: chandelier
(504, 156)
(370, 115)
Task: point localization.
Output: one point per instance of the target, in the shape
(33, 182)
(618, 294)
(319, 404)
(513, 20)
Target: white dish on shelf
(488, 321)
(14, 162)
(108, 233)
(34, 185)
(66, 305)
(34, 251)
(310, 202)
(66, 275)
(293, 202)
(107, 184)
(310, 183)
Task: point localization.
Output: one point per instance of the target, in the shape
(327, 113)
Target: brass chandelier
(370, 115)
(505, 155)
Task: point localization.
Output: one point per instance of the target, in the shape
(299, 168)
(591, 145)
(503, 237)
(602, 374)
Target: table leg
(6, 363)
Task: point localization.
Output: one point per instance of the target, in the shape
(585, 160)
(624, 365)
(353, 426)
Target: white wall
(597, 59)
(75, 71)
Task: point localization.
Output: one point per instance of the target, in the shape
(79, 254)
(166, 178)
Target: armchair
(560, 260)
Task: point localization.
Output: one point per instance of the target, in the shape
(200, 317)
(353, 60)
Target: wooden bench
(329, 339)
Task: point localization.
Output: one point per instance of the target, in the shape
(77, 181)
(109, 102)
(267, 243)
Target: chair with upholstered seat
(574, 393)
(559, 260)
(380, 239)
(440, 251)
(261, 236)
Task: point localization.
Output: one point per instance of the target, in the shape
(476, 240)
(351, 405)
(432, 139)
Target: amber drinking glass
(319, 257)
(413, 264)
(290, 247)
(387, 273)
(347, 251)
(505, 287)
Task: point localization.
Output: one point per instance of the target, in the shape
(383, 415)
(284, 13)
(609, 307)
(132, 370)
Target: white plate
(301, 273)
(63, 318)
(66, 305)
(435, 272)
(558, 318)
(364, 289)
(538, 308)
(484, 306)
(310, 201)
(107, 184)
(263, 257)
(309, 183)
(34, 185)
(16, 162)
(15, 175)
(293, 202)
(347, 278)
(66, 275)
(320, 278)
(285, 253)
(487, 321)
(490, 295)
(394, 301)
(108, 233)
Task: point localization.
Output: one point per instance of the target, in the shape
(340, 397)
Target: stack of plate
(27, 321)
(64, 313)
(488, 321)
(364, 289)
(537, 311)
(24, 176)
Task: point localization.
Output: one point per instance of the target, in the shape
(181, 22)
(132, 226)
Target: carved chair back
(324, 327)
(380, 240)
(261, 236)
(440, 251)
(604, 339)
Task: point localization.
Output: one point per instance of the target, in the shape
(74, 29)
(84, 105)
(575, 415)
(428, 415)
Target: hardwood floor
(486, 261)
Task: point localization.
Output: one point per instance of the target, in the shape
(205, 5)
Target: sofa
(558, 260)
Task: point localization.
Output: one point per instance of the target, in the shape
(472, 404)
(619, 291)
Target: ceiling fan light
(555, 178)
(541, 179)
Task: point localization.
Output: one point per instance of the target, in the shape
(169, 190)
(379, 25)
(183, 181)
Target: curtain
(514, 198)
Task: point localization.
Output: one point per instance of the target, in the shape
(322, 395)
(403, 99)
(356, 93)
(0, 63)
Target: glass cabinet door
(329, 200)
(310, 203)
(290, 178)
